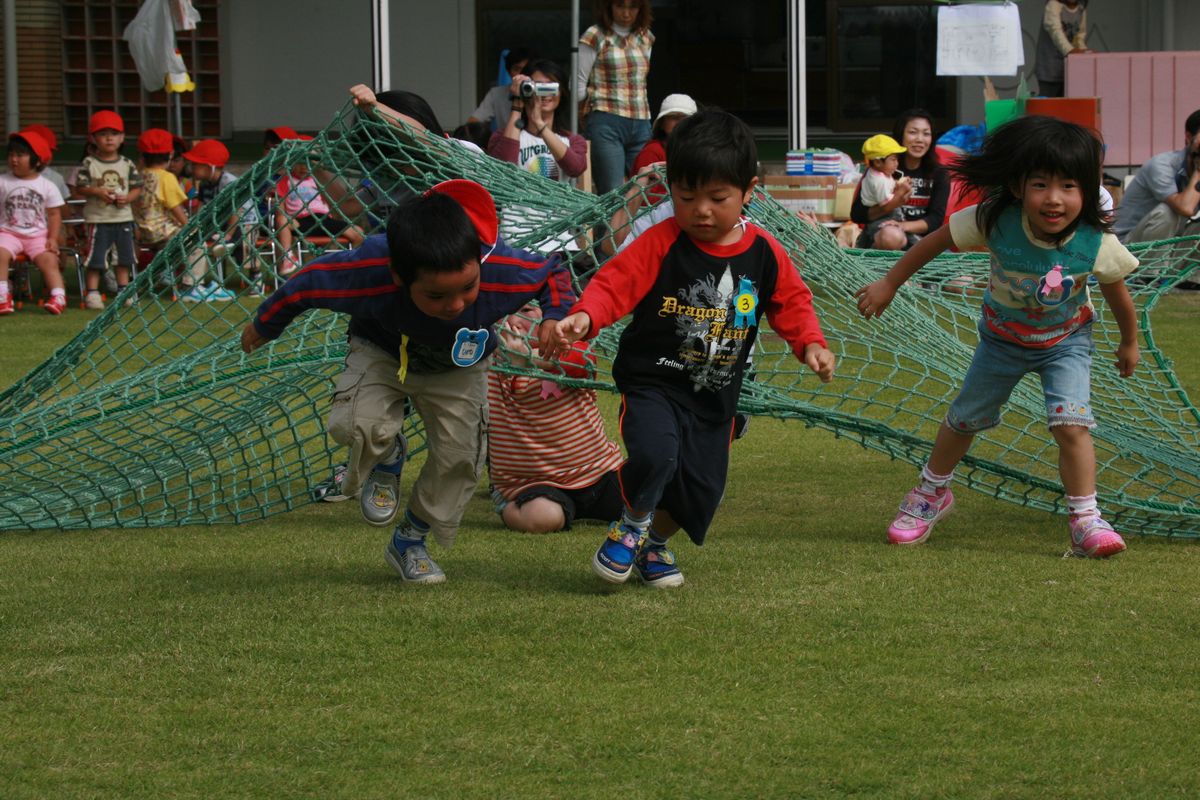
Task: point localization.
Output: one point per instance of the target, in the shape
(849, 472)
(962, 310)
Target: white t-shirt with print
(24, 202)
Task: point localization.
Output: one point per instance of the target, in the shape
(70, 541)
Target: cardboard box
(813, 194)
(845, 200)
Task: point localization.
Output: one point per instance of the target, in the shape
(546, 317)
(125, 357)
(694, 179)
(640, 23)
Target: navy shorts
(107, 234)
(320, 225)
(677, 461)
(601, 500)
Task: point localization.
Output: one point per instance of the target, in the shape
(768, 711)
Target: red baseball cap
(156, 141)
(475, 200)
(284, 132)
(35, 141)
(45, 132)
(210, 152)
(106, 119)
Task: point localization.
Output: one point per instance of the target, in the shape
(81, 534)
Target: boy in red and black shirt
(697, 285)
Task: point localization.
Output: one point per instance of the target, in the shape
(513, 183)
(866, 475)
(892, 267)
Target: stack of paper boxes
(810, 185)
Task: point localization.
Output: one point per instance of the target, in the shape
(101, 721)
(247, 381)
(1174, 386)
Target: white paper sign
(979, 40)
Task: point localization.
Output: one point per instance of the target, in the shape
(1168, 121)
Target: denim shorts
(1065, 369)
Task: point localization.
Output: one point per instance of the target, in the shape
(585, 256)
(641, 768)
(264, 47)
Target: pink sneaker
(288, 267)
(919, 512)
(1092, 537)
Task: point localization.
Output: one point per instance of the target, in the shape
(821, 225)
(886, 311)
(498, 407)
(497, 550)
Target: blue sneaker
(614, 560)
(655, 564)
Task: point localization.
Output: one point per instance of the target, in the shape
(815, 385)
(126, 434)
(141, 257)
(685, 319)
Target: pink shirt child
(23, 205)
(300, 198)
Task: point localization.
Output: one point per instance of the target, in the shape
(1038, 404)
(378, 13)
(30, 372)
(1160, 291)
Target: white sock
(931, 481)
(641, 523)
(1083, 506)
(3, 288)
(58, 292)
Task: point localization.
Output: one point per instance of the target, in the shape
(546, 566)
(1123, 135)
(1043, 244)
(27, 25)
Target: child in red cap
(160, 209)
(207, 160)
(109, 182)
(30, 218)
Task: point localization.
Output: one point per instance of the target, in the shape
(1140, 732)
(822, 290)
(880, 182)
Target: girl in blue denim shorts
(1041, 221)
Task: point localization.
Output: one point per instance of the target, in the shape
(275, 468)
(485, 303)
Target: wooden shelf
(99, 72)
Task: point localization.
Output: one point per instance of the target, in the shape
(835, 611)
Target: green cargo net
(152, 415)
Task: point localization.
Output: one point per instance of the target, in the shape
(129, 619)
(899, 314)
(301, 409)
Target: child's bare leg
(355, 235)
(92, 279)
(537, 515)
(1076, 459)
(664, 524)
(948, 449)
(47, 263)
(890, 237)
(283, 232)
(5, 260)
(122, 273)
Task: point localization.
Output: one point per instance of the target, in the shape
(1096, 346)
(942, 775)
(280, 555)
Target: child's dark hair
(19, 146)
(156, 159)
(1026, 145)
(477, 133)
(412, 105)
(711, 145)
(430, 233)
(562, 114)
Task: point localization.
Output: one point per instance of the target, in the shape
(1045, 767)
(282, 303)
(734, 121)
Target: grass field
(803, 658)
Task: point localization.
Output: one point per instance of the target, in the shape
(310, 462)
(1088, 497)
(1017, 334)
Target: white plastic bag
(151, 37)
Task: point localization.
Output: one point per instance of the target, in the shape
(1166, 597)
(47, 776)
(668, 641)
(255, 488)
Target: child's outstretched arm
(1116, 294)
(874, 298)
(553, 340)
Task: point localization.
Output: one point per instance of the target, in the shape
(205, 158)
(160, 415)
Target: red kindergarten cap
(156, 141)
(45, 132)
(210, 152)
(106, 119)
(36, 143)
(284, 132)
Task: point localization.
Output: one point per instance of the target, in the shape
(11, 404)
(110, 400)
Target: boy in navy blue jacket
(422, 302)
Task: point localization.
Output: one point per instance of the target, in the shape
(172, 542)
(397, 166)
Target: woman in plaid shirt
(614, 59)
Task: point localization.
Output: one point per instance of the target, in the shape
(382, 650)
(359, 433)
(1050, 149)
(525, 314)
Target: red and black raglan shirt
(359, 283)
(696, 309)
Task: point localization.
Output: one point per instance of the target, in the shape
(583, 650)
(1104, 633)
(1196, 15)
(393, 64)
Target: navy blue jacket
(359, 283)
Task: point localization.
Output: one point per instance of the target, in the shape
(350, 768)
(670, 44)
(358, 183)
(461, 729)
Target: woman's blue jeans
(616, 141)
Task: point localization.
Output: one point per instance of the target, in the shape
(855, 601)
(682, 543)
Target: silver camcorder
(532, 89)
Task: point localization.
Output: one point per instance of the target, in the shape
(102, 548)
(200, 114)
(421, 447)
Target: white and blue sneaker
(219, 294)
(196, 294)
(412, 563)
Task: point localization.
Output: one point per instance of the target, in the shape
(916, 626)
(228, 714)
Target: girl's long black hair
(1034, 144)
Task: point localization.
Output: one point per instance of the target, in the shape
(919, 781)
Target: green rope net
(152, 415)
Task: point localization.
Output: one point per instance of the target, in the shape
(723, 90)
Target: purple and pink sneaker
(1092, 537)
(919, 512)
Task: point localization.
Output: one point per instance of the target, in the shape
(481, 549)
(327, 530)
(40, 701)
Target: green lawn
(803, 658)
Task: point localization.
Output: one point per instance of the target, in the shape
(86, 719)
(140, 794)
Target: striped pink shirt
(545, 438)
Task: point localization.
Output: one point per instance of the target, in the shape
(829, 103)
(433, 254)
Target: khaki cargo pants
(368, 411)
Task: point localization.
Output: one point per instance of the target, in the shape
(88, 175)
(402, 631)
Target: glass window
(885, 55)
